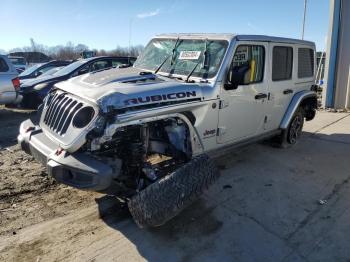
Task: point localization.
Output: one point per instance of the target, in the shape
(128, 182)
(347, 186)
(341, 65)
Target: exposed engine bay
(142, 154)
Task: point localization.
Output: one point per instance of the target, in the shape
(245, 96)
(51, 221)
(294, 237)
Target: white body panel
(241, 115)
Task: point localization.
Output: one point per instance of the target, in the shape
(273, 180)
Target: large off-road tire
(167, 197)
(291, 135)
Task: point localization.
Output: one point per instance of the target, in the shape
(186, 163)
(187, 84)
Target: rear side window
(118, 62)
(99, 65)
(282, 63)
(3, 65)
(305, 62)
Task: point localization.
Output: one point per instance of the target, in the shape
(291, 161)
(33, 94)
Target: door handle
(287, 91)
(260, 96)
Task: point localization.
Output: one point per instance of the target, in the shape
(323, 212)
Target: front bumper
(78, 170)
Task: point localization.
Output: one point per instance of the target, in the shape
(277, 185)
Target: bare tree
(70, 51)
(32, 43)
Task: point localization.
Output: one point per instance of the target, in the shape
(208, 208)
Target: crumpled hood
(130, 87)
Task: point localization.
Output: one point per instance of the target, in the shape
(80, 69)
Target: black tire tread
(281, 140)
(167, 197)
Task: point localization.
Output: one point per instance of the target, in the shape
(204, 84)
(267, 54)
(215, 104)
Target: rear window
(305, 62)
(282, 63)
(18, 60)
(3, 65)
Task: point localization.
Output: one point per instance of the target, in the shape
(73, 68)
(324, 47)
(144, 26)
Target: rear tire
(293, 132)
(167, 197)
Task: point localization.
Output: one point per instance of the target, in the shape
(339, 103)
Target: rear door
(281, 82)
(242, 110)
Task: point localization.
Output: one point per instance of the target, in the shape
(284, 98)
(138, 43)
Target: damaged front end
(87, 147)
(147, 151)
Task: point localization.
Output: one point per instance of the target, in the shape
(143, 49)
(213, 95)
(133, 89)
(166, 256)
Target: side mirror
(236, 77)
(38, 73)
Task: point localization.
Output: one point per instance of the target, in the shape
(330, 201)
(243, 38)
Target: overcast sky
(104, 24)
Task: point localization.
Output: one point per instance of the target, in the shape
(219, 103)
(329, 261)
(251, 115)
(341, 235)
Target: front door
(242, 107)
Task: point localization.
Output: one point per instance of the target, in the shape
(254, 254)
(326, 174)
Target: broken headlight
(83, 117)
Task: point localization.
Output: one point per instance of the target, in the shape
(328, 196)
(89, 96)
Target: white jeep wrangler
(144, 133)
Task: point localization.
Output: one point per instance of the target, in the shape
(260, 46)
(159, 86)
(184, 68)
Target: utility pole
(130, 25)
(304, 17)
(130, 32)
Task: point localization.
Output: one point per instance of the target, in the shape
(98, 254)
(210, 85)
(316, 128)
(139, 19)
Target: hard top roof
(229, 37)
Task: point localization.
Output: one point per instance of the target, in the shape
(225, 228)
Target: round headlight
(83, 117)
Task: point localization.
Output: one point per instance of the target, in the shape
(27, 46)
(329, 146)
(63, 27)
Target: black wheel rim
(295, 129)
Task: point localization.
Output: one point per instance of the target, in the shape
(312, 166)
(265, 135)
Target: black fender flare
(297, 100)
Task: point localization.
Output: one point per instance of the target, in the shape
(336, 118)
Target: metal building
(337, 68)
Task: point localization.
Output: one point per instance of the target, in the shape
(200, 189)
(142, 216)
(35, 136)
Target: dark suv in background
(34, 91)
(38, 69)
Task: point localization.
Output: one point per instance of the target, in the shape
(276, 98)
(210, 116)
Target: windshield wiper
(194, 68)
(166, 59)
(161, 65)
(205, 61)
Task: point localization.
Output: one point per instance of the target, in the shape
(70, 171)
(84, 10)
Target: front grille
(60, 109)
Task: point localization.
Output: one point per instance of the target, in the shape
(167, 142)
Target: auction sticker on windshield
(189, 55)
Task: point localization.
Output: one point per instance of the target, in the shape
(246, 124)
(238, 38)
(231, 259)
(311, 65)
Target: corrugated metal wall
(336, 95)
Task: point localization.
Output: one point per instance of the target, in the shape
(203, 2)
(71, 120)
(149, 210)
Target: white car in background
(9, 82)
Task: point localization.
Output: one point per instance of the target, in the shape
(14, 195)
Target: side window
(101, 64)
(119, 62)
(248, 64)
(45, 69)
(3, 66)
(305, 62)
(282, 63)
(83, 70)
(132, 61)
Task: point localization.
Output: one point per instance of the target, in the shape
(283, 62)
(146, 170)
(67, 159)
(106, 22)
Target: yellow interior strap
(252, 70)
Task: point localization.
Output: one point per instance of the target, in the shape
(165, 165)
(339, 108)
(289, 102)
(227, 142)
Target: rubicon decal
(157, 98)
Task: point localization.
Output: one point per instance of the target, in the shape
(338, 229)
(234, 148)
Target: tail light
(16, 83)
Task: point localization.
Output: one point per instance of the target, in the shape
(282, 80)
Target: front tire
(167, 197)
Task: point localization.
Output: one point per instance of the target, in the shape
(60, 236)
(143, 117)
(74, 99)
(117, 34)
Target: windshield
(18, 60)
(30, 70)
(70, 68)
(188, 53)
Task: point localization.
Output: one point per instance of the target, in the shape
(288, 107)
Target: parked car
(19, 63)
(47, 73)
(38, 69)
(51, 71)
(145, 133)
(34, 90)
(9, 82)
